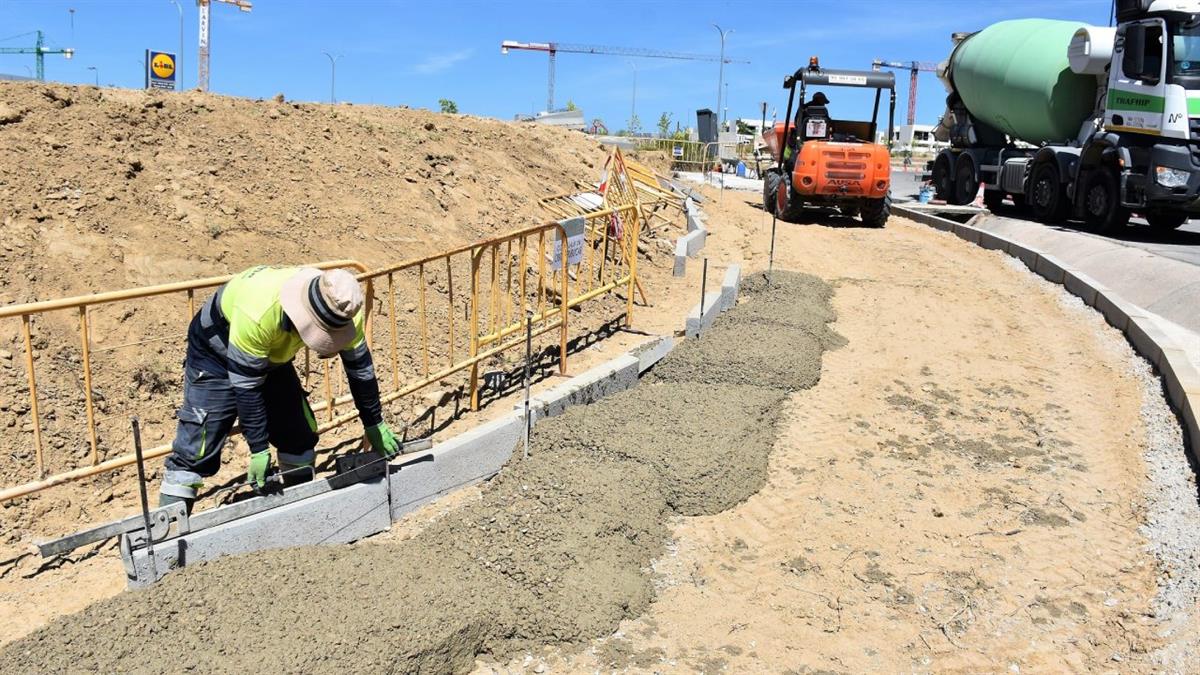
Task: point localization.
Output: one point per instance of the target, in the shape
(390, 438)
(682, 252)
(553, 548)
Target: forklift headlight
(1171, 178)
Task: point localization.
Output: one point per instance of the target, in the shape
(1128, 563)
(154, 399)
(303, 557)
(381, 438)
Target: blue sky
(414, 53)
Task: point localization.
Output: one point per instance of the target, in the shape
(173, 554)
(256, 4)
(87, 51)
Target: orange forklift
(828, 162)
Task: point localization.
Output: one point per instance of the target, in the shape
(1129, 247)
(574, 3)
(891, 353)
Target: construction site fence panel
(92, 362)
(700, 157)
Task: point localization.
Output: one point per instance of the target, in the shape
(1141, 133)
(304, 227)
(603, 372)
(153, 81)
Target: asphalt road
(1182, 245)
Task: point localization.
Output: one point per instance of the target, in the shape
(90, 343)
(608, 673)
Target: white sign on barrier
(574, 228)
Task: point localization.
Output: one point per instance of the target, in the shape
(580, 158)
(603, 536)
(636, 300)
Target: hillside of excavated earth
(110, 188)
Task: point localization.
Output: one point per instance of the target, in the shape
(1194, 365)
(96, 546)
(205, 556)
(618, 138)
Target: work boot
(292, 475)
(165, 499)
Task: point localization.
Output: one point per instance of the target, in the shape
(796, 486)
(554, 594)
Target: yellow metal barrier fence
(464, 307)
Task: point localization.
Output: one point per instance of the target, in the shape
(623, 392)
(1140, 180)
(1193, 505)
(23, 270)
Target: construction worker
(239, 367)
(814, 108)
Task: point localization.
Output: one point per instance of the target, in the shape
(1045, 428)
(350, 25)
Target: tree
(744, 129)
(448, 106)
(664, 125)
(635, 125)
(571, 105)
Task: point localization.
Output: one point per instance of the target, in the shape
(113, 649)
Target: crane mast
(553, 48)
(913, 67)
(39, 50)
(205, 22)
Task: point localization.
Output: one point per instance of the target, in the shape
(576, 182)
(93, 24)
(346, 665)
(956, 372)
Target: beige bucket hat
(322, 306)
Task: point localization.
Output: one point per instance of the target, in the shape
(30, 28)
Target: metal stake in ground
(771, 256)
(703, 283)
(528, 358)
(141, 469)
(783, 143)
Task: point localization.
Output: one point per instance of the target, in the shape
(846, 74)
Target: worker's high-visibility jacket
(242, 330)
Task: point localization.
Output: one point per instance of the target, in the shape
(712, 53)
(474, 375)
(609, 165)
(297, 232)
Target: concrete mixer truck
(1075, 121)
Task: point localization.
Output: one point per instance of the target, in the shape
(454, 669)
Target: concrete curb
(1180, 378)
(691, 243)
(701, 318)
(336, 517)
(605, 379)
(730, 285)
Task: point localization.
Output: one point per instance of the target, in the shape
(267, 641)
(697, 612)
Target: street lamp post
(332, 75)
(721, 70)
(725, 113)
(179, 56)
(95, 70)
(633, 105)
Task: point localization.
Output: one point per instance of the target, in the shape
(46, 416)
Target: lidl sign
(160, 70)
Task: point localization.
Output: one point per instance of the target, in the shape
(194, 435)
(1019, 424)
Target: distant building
(916, 137)
(7, 76)
(567, 119)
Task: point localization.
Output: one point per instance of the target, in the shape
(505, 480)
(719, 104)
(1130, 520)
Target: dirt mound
(148, 187)
(553, 552)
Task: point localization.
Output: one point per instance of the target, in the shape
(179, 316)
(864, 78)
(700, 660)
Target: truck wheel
(993, 199)
(1165, 221)
(1102, 208)
(943, 186)
(770, 186)
(1045, 194)
(875, 212)
(965, 185)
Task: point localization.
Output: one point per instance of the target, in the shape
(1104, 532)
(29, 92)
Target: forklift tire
(875, 212)
(770, 186)
(1165, 221)
(1102, 208)
(794, 206)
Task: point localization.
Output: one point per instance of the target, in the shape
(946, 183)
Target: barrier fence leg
(528, 358)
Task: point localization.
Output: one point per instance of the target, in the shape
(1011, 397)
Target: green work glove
(383, 440)
(259, 463)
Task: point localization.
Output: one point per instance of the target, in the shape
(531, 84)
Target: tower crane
(553, 48)
(39, 50)
(913, 67)
(205, 32)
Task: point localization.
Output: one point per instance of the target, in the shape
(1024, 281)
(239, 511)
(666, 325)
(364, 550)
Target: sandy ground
(962, 492)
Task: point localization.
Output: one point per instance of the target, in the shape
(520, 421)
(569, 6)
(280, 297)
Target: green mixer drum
(1014, 76)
